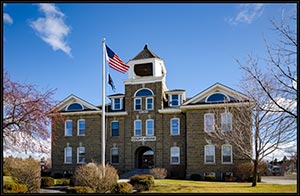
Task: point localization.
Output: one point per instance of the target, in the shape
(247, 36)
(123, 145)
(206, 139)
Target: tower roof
(145, 54)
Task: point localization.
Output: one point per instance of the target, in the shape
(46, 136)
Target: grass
(186, 186)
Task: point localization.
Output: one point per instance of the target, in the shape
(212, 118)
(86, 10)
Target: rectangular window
(137, 128)
(209, 122)
(114, 155)
(68, 155)
(149, 127)
(68, 128)
(175, 100)
(209, 154)
(226, 122)
(137, 104)
(81, 127)
(115, 128)
(175, 155)
(149, 103)
(81, 155)
(175, 126)
(117, 103)
(227, 154)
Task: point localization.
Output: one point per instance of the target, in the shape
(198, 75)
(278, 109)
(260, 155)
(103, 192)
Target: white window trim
(111, 128)
(135, 104)
(112, 154)
(147, 127)
(225, 113)
(67, 108)
(134, 125)
(230, 154)
(143, 89)
(78, 155)
(152, 105)
(208, 114)
(227, 97)
(78, 127)
(171, 127)
(171, 100)
(175, 147)
(205, 154)
(113, 103)
(66, 128)
(65, 155)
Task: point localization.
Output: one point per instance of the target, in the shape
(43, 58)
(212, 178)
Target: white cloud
(247, 13)
(7, 18)
(283, 151)
(52, 28)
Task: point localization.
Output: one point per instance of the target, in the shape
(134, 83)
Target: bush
(25, 171)
(196, 177)
(47, 182)
(6, 172)
(99, 179)
(244, 171)
(79, 189)
(159, 173)
(122, 187)
(209, 178)
(15, 188)
(142, 182)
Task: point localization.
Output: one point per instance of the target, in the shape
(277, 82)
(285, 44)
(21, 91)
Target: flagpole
(103, 101)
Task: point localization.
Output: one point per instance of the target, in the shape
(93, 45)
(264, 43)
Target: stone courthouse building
(150, 126)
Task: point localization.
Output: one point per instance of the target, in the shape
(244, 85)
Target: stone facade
(133, 151)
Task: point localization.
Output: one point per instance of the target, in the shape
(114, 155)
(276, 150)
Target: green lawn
(186, 186)
(7, 180)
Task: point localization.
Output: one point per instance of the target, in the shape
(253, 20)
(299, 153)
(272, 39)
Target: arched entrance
(144, 158)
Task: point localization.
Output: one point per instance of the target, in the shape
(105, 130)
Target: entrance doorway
(144, 158)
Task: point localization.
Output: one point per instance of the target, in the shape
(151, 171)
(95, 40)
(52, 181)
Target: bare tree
(280, 81)
(253, 123)
(25, 122)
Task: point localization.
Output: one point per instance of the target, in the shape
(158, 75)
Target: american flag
(114, 61)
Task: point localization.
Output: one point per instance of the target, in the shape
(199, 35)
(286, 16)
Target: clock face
(145, 69)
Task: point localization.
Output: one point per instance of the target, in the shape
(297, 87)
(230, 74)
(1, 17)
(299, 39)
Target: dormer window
(74, 106)
(117, 104)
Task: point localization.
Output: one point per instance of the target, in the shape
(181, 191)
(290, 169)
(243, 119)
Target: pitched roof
(145, 54)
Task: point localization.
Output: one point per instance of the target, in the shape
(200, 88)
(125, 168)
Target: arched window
(217, 97)
(74, 106)
(143, 93)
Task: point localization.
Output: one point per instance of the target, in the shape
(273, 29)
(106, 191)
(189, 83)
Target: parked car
(276, 171)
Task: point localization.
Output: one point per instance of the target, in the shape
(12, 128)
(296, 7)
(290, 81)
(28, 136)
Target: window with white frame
(175, 155)
(68, 128)
(138, 104)
(209, 154)
(81, 155)
(149, 127)
(117, 103)
(114, 155)
(68, 154)
(149, 103)
(226, 121)
(175, 100)
(137, 128)
(209, 122)
(175, 126)
(81, 127)
(114, 128)
(226, 154)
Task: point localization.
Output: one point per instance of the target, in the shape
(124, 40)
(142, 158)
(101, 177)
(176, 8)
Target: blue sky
(59, 45)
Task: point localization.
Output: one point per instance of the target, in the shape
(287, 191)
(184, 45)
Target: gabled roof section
(220, 89)
(64, 104)
(145, 54)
